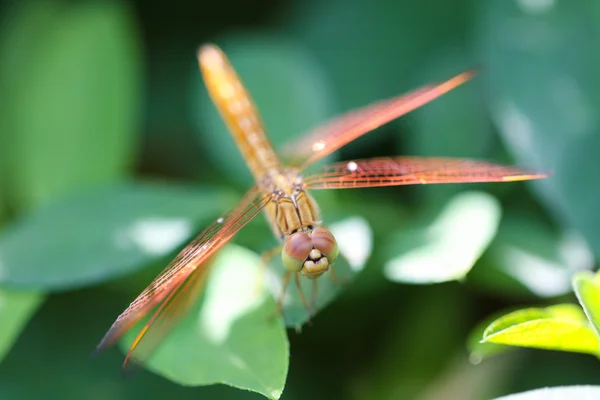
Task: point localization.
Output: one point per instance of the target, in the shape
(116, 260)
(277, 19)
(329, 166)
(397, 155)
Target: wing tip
(459, 79)
(526, 177)
(107, 341)
(130, 367)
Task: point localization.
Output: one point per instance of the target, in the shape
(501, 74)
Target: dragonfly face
(308, 249)
(311, 253)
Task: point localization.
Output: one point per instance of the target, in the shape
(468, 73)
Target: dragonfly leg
(284, 285)
(302, 297)
(313, 295)
(265, 258)
(335, 278)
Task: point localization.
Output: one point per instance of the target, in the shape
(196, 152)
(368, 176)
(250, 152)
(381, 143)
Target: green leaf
(287, 86)
(479, 350)
(557, 393)
(104, 233)
(230, 336)
(57, 343)
(536, 256)
(74, 80)
(447, 248)
(587, 289)
(373, 48)
(562, 327)
(541, 63)
(16, 308)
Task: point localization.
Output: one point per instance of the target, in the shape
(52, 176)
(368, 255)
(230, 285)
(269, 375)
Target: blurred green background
(104, 121)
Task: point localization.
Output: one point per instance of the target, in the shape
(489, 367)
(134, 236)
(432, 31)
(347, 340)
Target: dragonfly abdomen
(238, 111)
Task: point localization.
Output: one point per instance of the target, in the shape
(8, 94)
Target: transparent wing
(397, 171)
(190, 260)
(340, 131)
(176, 305)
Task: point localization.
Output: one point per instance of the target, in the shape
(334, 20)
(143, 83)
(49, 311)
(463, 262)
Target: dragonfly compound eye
(296, 249)
(324, 241)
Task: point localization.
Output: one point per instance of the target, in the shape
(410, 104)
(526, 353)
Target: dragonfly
(281, 191)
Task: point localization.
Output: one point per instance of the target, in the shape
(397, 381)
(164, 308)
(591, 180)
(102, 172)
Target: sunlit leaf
(587, 289)
(562, 327)
(73, 79)
(536, 256)
(104, 233)
(230, 336)
(541, 70)
(16, 307)
(272, 70)
(447, 248)
(557, 393)
(479, 350)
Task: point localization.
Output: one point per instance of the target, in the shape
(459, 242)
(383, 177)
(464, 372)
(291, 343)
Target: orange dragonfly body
(308, 249)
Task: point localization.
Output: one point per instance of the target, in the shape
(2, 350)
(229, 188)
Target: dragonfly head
(310, 253)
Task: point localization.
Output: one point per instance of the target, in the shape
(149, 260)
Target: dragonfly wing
(398, 171)
(176, 304)
(175, 278)
(332, 135)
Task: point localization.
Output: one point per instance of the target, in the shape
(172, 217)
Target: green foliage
(533, 255)
(544, 91)
(126, 227)
(73, 78)
(16, 307)
(479, 349)
(447, 248)
(587, 289)
(78, 147)
(231, 336)
(561, 327)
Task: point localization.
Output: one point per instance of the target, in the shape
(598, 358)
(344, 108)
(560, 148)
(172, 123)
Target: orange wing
(340, 131)
(397, 171)
(177, 303)
(182, 273)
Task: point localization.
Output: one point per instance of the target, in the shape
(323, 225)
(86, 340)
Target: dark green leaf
(16, 307)
(103, 234)
(541, 65)
(58, 343)
(230, 336)
(373, 48)
(454, 126)
(74, 82)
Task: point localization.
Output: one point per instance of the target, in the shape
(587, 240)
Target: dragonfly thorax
(292, 209)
